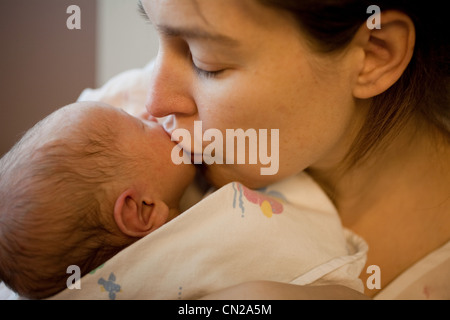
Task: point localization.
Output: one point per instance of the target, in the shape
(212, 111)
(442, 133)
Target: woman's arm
(267, 290)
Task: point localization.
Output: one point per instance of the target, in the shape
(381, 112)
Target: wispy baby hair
(53, 186)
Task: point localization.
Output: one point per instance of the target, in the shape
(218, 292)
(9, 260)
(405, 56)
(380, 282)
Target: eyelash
(206, 74)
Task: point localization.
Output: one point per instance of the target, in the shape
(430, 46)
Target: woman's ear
(137, 216)
(387, 53)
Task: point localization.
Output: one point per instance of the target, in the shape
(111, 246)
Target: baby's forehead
(93, 110)
(75, 119)
(90, 115)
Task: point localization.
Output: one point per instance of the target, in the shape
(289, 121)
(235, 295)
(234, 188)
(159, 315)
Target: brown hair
(52, 196)
(424, 86)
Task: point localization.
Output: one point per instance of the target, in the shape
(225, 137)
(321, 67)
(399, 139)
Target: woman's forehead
(217, 16)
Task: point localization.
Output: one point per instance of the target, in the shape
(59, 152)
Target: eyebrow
(142, 12)
(188, 33)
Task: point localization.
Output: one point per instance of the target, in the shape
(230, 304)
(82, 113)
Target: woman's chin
(221, 174)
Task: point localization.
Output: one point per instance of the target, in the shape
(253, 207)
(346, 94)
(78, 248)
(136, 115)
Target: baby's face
(144, 141)
(148, 143)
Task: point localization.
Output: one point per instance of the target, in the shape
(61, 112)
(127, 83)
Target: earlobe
(137, 217)
(388, 52)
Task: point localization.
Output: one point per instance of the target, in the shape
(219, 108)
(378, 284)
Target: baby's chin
(191, 172)
(186, 177)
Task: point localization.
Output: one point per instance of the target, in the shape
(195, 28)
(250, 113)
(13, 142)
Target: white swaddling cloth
(289, 233)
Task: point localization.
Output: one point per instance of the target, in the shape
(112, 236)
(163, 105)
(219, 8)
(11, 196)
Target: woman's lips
(191, 141)
(189, 151)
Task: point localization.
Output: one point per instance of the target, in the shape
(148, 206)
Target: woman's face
(238, 64)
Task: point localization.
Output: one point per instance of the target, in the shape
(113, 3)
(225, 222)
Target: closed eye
(205, 73)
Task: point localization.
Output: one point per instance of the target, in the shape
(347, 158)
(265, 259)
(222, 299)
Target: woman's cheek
(269, 163)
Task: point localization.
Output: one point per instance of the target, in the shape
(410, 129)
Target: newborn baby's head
(80, 186)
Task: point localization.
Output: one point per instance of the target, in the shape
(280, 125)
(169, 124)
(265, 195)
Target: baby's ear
(137, 216)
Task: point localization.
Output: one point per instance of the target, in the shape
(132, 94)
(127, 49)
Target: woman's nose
(169, 91)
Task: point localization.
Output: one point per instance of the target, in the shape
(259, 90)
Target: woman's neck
(416, 161)
(398, 200)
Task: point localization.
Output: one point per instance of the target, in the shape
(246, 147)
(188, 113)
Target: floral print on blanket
(110, 286)
(268, 205)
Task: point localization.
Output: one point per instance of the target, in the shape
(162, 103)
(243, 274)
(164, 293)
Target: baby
(80, 186)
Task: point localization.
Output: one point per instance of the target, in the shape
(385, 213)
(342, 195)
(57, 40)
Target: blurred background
(44, 65)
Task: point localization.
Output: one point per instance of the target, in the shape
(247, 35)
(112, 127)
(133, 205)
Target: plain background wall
(125, 39)
(44, 66)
